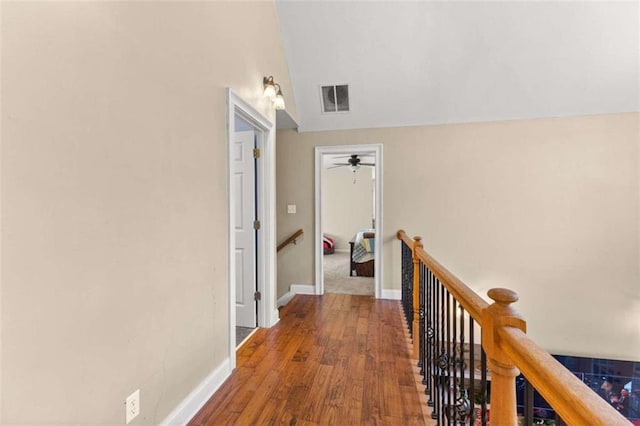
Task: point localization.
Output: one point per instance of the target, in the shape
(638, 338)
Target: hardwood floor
(331, 360)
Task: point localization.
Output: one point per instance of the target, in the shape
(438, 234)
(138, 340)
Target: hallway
(333, 360)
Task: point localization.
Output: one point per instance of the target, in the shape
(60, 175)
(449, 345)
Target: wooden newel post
(416, 297)
(503, 371)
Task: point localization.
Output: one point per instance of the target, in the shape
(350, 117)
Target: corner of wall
(296, 289)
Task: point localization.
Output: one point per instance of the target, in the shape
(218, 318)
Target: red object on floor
(328, 245)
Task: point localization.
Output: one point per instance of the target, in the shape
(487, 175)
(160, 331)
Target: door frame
(265, 173)
(320, 152)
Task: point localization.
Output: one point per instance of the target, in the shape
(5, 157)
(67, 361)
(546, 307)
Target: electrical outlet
(132, 406)
(291, 208)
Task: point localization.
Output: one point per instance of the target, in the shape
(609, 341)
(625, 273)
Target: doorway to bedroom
(348, 218)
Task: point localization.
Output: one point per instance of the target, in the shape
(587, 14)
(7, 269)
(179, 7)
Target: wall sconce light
(273, 91)
(278, 102)
(269, 87)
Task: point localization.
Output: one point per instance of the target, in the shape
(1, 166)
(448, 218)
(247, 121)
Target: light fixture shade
(269, 87)
(278, 102)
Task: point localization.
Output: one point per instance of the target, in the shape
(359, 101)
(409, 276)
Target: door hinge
(257, 296)
(256, 224)
(256, 153)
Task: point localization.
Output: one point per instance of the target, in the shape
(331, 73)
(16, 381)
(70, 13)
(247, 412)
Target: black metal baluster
(408, 268)
(472, 370)
(405, 276)
(407, 286)
(410, 297)
(528, 402)
(443, 353)
(453, 359)
(436, 353)
(462, 401)
(420, 335)
(410, 291)
(403, 272)
(483, 385)
(432, 339)
(428, 334)
(448, 380)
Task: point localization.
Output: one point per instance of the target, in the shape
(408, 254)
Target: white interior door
(244, 185)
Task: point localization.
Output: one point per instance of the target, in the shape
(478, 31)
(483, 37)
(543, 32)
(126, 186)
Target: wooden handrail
(401, 235)
(291, 239)
(471, 302)
(574, 401)
(509, 349)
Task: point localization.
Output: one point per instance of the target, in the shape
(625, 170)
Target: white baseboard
(286, 298)
(391, 294)
(302, 289)
(296, 289)
(190, 406)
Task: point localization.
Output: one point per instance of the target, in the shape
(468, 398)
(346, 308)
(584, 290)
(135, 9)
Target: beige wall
(346, 206)
(547, 207)
(114, 263)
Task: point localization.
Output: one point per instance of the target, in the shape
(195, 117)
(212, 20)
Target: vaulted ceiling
(415, 63)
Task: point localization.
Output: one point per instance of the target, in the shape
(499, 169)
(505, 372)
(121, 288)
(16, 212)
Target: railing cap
(417, 244)
(503, 296)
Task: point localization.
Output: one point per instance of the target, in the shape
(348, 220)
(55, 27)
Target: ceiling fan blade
(365, 154)
(367, 164)
(336, 166)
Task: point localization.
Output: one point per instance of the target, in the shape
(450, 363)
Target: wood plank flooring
(331, 360)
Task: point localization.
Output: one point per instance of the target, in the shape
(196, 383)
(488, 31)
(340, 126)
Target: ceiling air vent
(335, 98)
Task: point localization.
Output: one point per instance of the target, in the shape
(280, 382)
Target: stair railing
(466, 382)
(292, 239)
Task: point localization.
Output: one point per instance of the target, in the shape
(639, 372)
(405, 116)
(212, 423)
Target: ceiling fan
(353, 162)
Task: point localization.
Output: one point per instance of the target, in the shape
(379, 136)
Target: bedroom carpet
(337, 279)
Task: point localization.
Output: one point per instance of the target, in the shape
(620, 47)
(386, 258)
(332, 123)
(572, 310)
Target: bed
(362, 253)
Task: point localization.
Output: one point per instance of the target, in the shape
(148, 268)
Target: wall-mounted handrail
(291, 239)
(437, 321)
